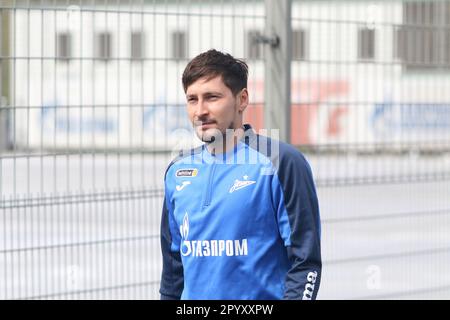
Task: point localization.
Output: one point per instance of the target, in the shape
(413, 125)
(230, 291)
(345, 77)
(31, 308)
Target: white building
(364, 72)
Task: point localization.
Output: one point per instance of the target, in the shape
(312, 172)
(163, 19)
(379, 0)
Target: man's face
(212, 107)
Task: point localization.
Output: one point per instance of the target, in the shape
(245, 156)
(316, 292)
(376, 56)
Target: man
(240, 216)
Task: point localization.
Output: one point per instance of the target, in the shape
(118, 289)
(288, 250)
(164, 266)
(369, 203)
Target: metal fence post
(278, 55)
(5, 76)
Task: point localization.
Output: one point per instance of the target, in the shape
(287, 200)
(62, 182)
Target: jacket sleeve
(299, 224)
(172, 279)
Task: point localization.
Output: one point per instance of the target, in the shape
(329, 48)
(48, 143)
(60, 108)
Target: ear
(243, 99)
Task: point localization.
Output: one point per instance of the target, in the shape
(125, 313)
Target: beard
(214, 135)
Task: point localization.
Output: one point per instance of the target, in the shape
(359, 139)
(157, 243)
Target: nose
(202, 109)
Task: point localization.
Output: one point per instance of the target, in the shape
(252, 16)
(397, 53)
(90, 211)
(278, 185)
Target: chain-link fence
(92, 106)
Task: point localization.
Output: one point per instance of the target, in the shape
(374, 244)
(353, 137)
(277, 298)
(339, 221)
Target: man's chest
(225, 195)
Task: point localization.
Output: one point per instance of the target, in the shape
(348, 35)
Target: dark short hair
(213, 63)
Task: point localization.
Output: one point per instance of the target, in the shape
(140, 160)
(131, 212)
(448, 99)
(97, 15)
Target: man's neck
(229, 141)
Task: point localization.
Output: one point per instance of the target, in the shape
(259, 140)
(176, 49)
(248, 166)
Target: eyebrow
(209, 93)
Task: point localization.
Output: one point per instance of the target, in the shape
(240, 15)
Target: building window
(179, 45)
(399, 43)
(422, 42)
(366, 44)
(64, 47)
(103, 45)
(253, 48)
(137, 45)
(299, 44)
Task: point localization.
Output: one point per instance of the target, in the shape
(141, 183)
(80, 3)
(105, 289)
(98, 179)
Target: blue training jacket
(241, 225)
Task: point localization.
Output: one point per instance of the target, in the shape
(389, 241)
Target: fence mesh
(92, 108)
